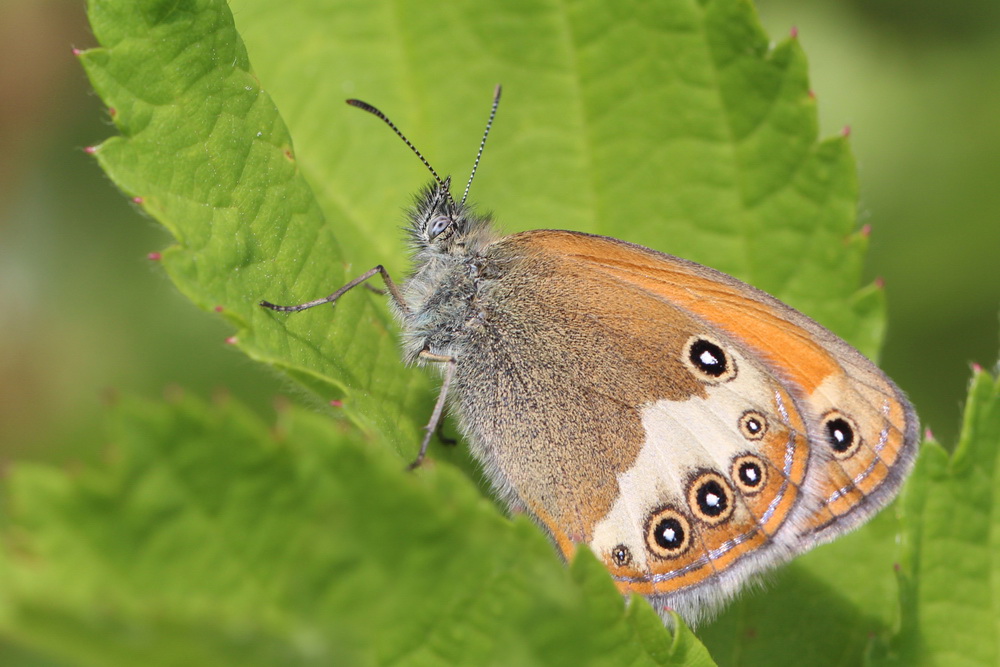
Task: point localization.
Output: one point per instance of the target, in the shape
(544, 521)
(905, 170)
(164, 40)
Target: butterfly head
(440, 225)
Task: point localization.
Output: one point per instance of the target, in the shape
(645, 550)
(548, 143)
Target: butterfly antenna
(364, 106)
(482, 144)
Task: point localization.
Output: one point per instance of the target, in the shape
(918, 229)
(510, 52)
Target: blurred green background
(84, 314)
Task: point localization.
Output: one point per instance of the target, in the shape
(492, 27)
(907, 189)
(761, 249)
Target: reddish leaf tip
(232, 340)
(219, 309)
(794, 32)
(154, 257)
(846, 132)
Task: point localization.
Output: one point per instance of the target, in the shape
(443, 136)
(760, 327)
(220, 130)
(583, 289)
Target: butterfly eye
(709, 362)
(841, 434)
(668, 533)
(749, 473)
(753, 425)
(438, 225)
(710, 498)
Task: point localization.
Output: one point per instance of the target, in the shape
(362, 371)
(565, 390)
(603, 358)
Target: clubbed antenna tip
(482, 144)
(364, 106)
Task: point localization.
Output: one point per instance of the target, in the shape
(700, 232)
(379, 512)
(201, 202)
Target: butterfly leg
(449, 372)
(444, 439)
(390, 285)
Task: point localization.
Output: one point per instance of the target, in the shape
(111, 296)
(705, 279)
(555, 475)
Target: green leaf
(203, 148)
(675, 124)
(208, 539)
(713, 157)
(822, 609)
(950, 574)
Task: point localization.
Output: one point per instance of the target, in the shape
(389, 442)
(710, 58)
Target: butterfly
(690, 429)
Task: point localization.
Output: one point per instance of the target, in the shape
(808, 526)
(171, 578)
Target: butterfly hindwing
(689, 455)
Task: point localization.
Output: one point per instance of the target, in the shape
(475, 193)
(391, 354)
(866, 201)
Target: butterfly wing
(705, 430)
(863, 428)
